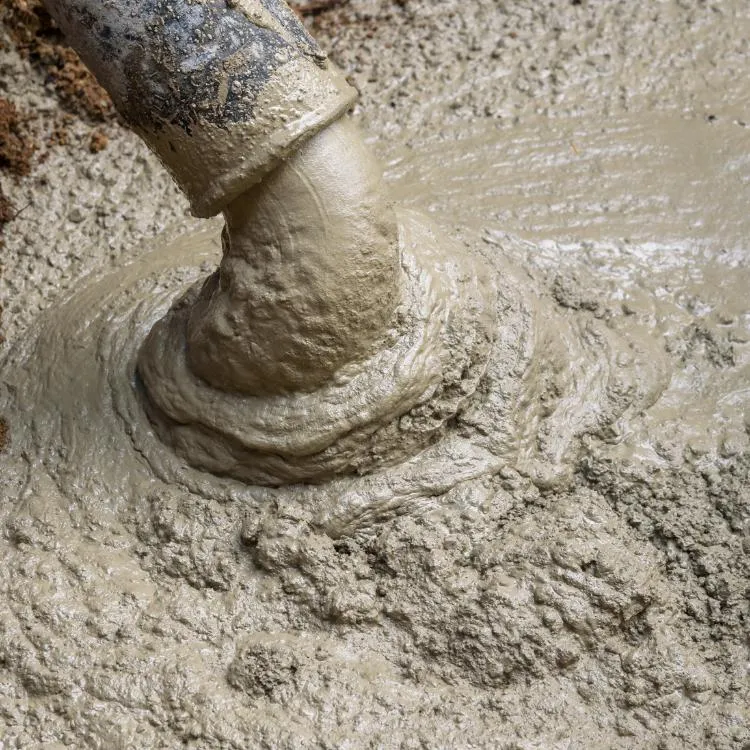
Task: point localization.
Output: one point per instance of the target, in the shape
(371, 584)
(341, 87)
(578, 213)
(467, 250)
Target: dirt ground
(603, 144)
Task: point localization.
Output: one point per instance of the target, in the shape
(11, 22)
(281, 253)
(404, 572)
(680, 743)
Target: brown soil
(16, 146)
(3, 435)
(98, 141)
(40, 41)
(59, 134)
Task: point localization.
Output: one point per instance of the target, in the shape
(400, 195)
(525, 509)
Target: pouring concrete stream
(342, 337)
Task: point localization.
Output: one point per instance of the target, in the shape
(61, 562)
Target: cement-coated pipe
(237, 100)
(219, 89)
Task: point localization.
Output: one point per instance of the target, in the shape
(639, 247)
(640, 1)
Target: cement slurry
(610, 612)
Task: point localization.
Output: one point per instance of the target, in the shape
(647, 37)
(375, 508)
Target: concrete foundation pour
(589, 589)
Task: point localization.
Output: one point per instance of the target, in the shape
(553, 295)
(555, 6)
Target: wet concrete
(152, 606)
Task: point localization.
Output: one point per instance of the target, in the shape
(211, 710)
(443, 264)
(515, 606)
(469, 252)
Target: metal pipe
(221, 90)
(237, 100)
